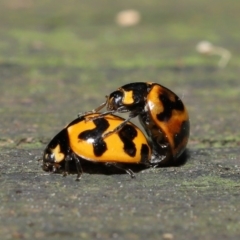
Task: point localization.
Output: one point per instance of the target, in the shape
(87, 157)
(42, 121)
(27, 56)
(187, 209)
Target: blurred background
(59, 58)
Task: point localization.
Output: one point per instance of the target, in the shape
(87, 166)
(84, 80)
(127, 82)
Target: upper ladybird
(161, 112)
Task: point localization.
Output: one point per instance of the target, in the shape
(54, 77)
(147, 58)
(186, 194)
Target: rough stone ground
(57, 60)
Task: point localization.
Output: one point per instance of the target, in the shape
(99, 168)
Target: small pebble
(128, 18)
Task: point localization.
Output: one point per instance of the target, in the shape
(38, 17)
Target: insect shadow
(100, 168)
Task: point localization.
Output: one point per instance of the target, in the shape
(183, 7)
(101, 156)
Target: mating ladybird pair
(111, 140)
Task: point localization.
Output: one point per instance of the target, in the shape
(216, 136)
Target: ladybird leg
(130, 172)
(66, 167)
(122, 167)
(82, 114)
(120, 126)
(122, 109)
(78, 167)
(127, 170)
(99, 116)
(54, 169)
(101, 106)
(158, 159)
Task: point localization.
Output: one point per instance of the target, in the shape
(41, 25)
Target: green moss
(209, 181)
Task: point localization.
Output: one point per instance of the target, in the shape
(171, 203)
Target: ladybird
(161, 113)
(82, 140)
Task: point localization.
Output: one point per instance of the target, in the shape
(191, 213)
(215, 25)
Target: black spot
(169, 106)
(99, 146)
(127, 134)
(75, 121)
(60, 139)
(144, 152)
(184, 132)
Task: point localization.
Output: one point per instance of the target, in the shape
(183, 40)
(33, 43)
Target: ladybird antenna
(82, 114)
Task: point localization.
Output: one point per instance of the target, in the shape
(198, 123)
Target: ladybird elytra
(170, 115)
(82, 140)
(121, 147)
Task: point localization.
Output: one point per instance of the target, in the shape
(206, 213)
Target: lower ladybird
(82, 140)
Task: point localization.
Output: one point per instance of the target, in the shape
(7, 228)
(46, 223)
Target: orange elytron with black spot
(161, 113)
(82, 140)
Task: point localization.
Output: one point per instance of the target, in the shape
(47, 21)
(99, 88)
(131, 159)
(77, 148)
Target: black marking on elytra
(183, 133)
(75, 121)
(99, 146)
(60, 139)
(127, 134)
(144, 152)
(169, 106)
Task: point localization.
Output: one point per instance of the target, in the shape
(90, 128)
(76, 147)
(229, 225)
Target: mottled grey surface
(57, 60)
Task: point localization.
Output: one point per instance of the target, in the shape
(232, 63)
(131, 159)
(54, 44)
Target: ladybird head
(115, 100)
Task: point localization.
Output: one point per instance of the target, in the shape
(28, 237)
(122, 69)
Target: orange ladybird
(82, 140)
(160, 111)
